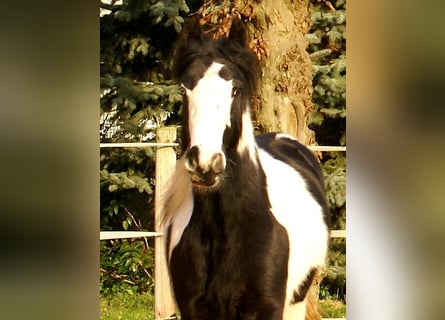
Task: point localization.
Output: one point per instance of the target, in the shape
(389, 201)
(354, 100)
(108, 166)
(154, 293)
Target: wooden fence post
(165, 164)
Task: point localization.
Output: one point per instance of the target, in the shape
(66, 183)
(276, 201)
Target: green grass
(332, 308)
(126, 306)
(133, 306)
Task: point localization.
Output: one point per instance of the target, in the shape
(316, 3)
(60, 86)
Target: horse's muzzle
(205, 172)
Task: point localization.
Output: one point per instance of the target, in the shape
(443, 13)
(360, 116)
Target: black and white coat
(246, 218)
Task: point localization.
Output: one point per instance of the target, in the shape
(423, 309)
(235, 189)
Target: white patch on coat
(246, 142)
(177, 205)
(295, 311)
(209, 104)
(179, 223)
(285, 136)
(299, 213)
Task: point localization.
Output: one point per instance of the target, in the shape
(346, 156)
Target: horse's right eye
(235, 92)
(182, 89)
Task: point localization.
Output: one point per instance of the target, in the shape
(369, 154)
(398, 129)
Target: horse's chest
(220, 259)
(216, 241)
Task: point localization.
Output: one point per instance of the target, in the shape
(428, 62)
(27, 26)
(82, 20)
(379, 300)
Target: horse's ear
(238, 32)
(191, 33)
(191, 30)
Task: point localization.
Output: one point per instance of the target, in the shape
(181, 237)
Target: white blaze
(209, 106)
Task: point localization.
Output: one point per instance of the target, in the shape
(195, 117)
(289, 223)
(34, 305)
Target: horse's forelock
(200, 47)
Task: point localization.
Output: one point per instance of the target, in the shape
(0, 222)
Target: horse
(245, 216)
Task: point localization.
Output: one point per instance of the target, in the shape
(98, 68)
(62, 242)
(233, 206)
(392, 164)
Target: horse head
(218, 78)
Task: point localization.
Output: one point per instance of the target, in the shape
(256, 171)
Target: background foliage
(137, 96)
(327, 48)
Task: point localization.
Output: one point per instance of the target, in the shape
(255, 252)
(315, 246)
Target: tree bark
(284, 100)
(285, 90)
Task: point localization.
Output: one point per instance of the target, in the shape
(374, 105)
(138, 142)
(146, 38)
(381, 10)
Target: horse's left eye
(182, 90)
(235, 92)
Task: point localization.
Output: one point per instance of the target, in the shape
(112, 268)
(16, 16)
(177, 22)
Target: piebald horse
(245, 217)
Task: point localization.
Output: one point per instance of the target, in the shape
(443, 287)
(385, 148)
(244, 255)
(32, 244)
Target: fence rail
(164, 305)
(113, 235)
(327, 148)
(174, 144)
(138, 144)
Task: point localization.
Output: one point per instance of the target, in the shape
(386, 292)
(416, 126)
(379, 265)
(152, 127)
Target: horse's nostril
(192, 159)
(204, 171)
(218, 163)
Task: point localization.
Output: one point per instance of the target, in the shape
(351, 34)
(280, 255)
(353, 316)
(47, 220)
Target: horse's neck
(243, 174)
(241, 198)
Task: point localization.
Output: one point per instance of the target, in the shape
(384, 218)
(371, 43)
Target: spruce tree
(327, 48)
(136, 96)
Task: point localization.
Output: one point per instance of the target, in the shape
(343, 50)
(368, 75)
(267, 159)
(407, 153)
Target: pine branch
(112, 7)
(320, 54)
(329, 5)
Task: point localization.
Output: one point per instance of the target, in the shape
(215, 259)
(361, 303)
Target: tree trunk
(284, 94)
(284, 100)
